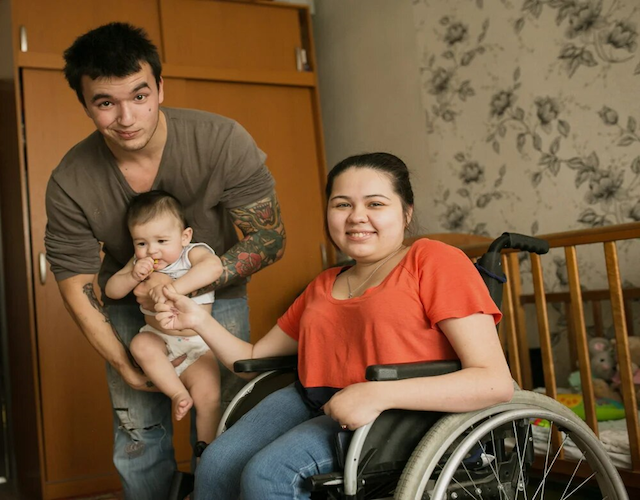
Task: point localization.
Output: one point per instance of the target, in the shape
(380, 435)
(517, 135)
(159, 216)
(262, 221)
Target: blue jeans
(269, 452)
(143, 449)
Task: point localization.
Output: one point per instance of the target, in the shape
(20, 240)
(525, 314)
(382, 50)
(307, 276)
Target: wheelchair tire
(449, 436)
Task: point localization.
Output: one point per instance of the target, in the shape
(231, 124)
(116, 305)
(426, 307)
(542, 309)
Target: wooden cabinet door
(281, 121)
(227, 35)
(52, 25)
(76, 423)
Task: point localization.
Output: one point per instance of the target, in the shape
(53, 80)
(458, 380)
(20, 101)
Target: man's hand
(138, 380)
(178, 312)
(142, 290)
(142, 269)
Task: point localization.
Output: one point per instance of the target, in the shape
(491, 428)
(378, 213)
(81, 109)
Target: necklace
(384, 261)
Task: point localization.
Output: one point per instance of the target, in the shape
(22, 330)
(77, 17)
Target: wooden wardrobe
(251, 61)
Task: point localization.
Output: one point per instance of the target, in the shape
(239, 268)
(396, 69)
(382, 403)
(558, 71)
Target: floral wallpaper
(531, 112)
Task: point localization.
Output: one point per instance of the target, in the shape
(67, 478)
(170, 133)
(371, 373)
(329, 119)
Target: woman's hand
(178, 312)
(355, 406)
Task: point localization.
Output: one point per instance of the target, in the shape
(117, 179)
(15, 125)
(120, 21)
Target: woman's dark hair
(149, 205)
(387, 163)
(113, 50)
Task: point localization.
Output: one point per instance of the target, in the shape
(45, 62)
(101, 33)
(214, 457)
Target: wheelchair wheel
(488, 454)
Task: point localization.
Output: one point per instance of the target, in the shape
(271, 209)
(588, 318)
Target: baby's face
(162, 239)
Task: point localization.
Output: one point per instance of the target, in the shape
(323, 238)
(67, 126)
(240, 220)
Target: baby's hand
(142, 269)
(156, 293)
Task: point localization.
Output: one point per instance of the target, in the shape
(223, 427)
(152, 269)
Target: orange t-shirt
(394, 322)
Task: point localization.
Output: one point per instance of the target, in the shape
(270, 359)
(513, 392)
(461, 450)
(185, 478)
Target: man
(210, 163)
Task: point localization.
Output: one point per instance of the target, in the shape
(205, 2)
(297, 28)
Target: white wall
(370, 83)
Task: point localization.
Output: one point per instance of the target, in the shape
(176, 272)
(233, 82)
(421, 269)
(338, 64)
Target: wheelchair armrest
(285, 363)
(402, 371)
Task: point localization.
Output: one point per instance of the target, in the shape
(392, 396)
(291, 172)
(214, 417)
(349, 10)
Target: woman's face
(364, 215)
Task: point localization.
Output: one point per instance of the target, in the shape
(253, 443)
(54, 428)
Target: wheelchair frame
(453, 436)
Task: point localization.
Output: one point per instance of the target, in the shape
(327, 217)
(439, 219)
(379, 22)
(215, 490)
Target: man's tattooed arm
(89, 291)
(262, 245)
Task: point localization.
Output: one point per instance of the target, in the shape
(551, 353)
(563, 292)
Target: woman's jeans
(143, 449)
(269, 452)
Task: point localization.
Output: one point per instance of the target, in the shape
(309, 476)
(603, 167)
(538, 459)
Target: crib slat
(596, 309)
(543, 327)
(577, 315)
(628, 314)
(622, 345)
(509, 329)
(548, 367)
(515, 283)
(571, 334)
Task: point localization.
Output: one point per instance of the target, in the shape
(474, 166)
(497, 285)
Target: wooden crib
(519, 306)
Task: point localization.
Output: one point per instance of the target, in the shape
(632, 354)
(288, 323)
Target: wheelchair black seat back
(483, 454)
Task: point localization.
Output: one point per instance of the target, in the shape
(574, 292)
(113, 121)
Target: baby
(162, 243)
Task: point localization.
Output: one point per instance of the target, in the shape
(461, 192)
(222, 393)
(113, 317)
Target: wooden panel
(545, 339)
(280, 119)
(77, 422)
(20, 337)
(509, 326)
(578, 237)
(230, 35)
(515, 283)
(622, 347)
(39, 60)
(44, 20)
(580, 331)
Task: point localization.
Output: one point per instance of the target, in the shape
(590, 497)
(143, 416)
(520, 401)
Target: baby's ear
(187, 234)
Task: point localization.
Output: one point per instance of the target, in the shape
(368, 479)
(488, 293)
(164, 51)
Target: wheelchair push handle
(519, 242)
(490, 264)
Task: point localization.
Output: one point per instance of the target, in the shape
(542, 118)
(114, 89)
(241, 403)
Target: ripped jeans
(143, 449)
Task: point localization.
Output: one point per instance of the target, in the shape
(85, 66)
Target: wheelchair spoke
(575, 470)
(462, 486)
(521, 459)
(484, 452)
(547, 468)
(579, 486)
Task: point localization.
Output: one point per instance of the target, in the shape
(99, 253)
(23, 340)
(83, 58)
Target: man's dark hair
(147, 206)
(113, 50)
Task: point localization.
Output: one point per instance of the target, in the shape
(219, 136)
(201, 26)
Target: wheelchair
(482, 454)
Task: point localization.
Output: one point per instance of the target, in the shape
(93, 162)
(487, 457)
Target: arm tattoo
(88, 290)
(262, 245)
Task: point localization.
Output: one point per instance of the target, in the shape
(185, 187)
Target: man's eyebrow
(97, 97)
(143, 85)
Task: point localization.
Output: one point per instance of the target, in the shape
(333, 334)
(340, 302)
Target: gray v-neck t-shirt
(210, 163)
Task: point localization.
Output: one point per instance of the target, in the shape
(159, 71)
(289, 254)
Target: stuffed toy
(602, 356)
(634, 353)
(603, 369)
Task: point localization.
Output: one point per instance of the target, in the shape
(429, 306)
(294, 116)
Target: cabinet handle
(323, 255)
(42, 264)
(302, 64)
(24, 46)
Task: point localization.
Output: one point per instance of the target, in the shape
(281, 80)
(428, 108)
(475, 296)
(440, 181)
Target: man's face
(124, 110)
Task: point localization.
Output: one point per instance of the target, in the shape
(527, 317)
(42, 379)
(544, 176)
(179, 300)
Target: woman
(397, 304)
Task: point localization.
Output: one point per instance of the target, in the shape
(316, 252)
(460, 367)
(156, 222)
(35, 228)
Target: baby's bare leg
(151, 353)
(202, 379)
